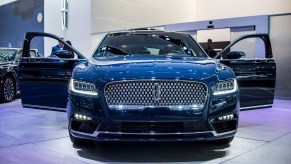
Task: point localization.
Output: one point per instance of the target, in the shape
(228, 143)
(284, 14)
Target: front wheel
(7, 89)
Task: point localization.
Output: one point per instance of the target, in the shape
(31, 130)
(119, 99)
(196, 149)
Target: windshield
(165, 44)
(7, 55)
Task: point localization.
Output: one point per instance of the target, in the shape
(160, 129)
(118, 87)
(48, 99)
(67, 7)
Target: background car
(9, 60)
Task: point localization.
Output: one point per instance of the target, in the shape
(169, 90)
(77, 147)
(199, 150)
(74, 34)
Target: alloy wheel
(8, 89)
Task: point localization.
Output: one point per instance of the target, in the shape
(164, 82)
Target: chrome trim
(256, 106)
(140, 107)
(44, 107)
(153, 133)
(251, 76)
(221, 134)
(156, 92)
(96, 133)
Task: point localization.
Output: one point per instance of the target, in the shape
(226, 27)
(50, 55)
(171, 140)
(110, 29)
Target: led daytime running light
(83, 87)
(225, 87)
(226, 117)
(82, 117)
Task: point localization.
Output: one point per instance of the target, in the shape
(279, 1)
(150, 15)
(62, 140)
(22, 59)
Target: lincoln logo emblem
(64, 10)
(156, 92)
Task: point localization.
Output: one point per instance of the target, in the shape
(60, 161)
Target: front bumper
(121, 136)
(156, 124)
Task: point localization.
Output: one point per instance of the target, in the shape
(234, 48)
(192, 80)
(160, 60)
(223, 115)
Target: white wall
(220, 9)
(79, 27)
(89, 20)
(281, 40)
(111, 15)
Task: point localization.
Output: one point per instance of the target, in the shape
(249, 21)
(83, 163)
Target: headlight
(83, 87)
(225, 87)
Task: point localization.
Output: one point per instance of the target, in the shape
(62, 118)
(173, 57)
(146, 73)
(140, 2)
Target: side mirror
(63, 54)
(235, 55)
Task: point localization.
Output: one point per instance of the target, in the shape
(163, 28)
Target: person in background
(66, 47)
(209, 50)
(58, 47)
(69, 49)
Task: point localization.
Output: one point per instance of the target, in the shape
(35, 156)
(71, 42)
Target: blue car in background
(143, 85)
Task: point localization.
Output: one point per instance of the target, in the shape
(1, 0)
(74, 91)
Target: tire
(80, 141)
(224, 140)
(8, 89)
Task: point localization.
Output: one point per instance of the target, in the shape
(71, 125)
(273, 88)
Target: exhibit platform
(39, 136)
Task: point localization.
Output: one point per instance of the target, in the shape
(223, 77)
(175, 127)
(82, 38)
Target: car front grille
(155, 93)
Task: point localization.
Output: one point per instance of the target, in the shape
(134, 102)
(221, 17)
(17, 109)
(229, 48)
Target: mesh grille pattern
(155, 93)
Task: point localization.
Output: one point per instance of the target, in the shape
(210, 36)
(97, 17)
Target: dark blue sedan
(137, 86)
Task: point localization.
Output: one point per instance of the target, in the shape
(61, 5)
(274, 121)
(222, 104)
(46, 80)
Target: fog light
(226, 117)
(82, 117)
(231, 116)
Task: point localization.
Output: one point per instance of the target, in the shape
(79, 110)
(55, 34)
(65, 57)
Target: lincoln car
(148, 85)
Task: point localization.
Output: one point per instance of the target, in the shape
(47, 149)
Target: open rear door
(44, 81)
(251, 59)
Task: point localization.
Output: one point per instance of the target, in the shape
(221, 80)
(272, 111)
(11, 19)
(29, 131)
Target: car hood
(149, 67)
(5, 62)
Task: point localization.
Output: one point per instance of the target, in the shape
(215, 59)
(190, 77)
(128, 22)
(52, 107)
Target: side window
(153, 50)
(251, 47)
(248, 48)
(32, 54)
(51, 48)
(18, 55)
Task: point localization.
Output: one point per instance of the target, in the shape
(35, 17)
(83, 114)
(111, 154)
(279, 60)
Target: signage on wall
(65, 11)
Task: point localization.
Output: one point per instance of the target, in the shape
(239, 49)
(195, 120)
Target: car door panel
(256, 77)
(44, 81)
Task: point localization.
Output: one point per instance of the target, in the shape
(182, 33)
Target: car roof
(146, 32)
(9, 48)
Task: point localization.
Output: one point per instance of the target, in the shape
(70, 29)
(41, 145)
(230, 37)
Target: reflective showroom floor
(38, 136)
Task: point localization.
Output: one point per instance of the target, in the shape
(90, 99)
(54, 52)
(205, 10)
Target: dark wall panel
(19, 17)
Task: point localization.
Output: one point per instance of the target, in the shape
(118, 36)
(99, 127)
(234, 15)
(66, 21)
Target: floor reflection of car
(9, 59)
(146, 86)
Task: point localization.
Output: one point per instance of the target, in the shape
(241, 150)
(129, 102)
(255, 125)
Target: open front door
(251, 59)
(44, 81)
